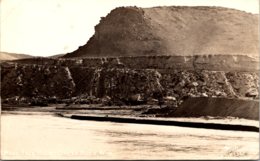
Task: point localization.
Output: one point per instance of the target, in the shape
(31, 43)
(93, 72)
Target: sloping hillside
(56, 56)
(197, 107)
(12, 56)
(173, 31)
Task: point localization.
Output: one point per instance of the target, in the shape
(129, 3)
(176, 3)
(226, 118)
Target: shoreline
(133, 112)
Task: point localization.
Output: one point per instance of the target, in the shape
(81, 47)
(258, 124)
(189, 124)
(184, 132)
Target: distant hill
(173, 30)
(4, 56)
(12, 56)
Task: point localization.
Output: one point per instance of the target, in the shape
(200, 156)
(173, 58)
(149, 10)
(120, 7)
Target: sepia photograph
(129, 79)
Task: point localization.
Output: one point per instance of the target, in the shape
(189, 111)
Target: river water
(51, 137)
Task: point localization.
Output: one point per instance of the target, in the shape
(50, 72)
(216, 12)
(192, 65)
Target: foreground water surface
(51, 137)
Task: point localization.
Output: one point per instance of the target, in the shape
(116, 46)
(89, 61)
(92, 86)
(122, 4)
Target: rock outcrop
(176, 30)
(120, 82)
(36, 80)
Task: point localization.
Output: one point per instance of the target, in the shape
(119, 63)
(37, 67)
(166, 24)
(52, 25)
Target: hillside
(177, 31)
(12, 56)
(197, 107)
(56, 56)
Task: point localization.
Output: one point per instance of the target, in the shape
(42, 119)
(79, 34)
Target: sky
(49, 27)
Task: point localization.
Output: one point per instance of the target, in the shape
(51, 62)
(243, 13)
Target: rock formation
(138, 54)
(182, 31)
(121, 81)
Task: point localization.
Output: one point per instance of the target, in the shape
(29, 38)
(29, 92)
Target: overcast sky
(48, 27)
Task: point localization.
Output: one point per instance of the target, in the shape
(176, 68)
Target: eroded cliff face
(123, 79)
(175, 30)
(36, 80)
(63, 82)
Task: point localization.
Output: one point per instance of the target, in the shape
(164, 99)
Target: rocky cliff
(36, 80)
(182, 31)
(121, 82)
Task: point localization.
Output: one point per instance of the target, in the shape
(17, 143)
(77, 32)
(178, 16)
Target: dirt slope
(173, 31)
(223, 107)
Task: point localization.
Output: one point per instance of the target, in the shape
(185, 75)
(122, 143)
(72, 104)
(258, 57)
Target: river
(51, 137)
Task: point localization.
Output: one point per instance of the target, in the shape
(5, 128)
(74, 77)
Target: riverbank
(139, 111)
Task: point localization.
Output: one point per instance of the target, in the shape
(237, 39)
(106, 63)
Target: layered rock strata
(122, 81)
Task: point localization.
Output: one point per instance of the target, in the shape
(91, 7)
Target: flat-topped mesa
(181, 31)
